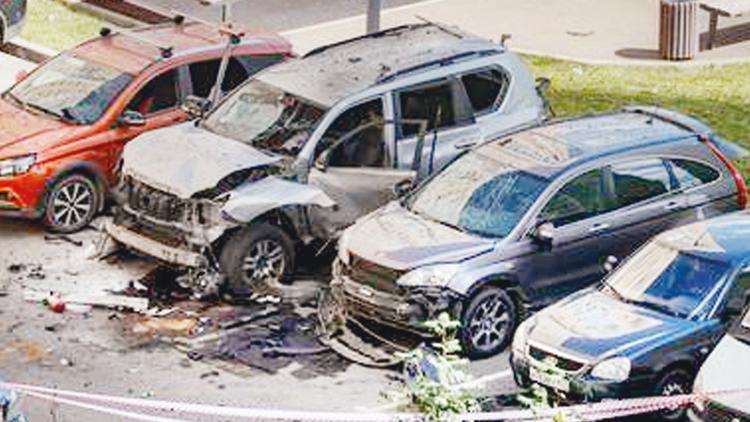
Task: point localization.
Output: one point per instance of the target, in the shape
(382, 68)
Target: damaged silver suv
(518, 223)
(306, 147)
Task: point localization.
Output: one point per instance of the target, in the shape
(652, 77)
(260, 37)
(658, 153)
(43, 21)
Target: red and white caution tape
(602, 410)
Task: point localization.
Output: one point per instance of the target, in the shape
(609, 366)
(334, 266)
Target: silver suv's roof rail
(468, 55)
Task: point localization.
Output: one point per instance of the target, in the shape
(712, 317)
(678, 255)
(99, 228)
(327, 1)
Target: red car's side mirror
(21, 75)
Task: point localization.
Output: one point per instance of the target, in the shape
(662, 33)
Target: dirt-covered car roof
(330, 73)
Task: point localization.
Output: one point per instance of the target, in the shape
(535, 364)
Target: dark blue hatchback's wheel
(673, 382)
(488, 323)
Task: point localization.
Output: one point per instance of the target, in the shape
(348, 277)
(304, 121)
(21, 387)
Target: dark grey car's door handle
(598, 227)
(465, 144)
(673, 205)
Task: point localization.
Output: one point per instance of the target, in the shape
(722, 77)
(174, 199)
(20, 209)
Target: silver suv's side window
(356, 137)
(638, 181)
(440, 103)
(581, 198)
(486, 89)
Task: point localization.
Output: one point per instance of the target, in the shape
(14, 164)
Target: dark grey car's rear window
(690, 174)
(638, 181)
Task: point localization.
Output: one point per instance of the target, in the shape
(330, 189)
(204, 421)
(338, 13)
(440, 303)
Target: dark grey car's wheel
(71, 204)
(256, 257)
(488, 323)
(673, 382)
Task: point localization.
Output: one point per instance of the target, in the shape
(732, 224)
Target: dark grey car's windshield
(265, 117)
(669, 280)
(71, 88)
(485, 192)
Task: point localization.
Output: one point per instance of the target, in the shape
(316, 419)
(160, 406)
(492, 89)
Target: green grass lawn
(53, 24)
(719, 95)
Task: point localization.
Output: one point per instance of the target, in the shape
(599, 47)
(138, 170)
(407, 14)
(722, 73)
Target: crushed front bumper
(582, 387)
(369, 326)
(140, 243)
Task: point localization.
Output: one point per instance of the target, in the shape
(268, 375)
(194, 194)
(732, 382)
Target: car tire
(256, 258)
(71, 204)
(488, 323)
(673, 382)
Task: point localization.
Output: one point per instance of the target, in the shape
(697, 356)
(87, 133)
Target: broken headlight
(18, 165)
(432, 276)
(343, 247)
(209, 211)
(613, 369)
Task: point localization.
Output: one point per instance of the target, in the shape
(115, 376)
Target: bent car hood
(716, 376)
(594, 325)
(397, 238)
(23, 132)
(186, 159)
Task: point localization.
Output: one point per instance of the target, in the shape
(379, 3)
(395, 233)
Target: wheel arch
(505, 281)
(80, 168)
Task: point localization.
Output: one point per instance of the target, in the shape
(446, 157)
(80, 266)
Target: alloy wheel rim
(489, 324)
(72, 204)
(264, 263)
(675, 387)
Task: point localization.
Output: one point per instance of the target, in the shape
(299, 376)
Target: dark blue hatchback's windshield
(666, 279)
(485, 192)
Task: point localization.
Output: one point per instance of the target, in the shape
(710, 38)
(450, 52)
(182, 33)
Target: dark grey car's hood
(186, 159)
(397, 238)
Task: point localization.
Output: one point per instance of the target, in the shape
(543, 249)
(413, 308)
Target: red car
(63, 126)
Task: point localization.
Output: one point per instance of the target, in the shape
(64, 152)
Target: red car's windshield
(71, 88)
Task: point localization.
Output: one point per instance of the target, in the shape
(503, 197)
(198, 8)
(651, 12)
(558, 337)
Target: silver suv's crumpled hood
(186, 159)
(399, 239)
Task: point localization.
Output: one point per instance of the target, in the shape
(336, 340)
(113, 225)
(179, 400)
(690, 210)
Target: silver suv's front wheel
(256, 258)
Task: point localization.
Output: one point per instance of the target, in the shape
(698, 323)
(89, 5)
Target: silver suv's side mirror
(403, 187)
(196, 107)
(544, 234)
(609, 264)
(131, 118)
(321, 163)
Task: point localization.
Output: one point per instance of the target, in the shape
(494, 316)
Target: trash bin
(678, 33)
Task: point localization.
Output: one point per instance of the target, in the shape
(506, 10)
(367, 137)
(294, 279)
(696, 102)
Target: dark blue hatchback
(649, 325)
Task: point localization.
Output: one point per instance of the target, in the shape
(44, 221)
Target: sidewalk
(589, 31)
(9, 68)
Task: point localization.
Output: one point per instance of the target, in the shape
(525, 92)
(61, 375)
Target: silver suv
(303, 149)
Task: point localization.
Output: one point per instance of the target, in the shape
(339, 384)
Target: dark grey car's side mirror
(544, 234)
(609, 264)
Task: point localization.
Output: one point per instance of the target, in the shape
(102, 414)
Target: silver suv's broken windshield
(485, 192)
(265, 117)
(71, 88)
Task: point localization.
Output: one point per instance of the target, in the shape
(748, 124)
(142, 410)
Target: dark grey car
(520, 222)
